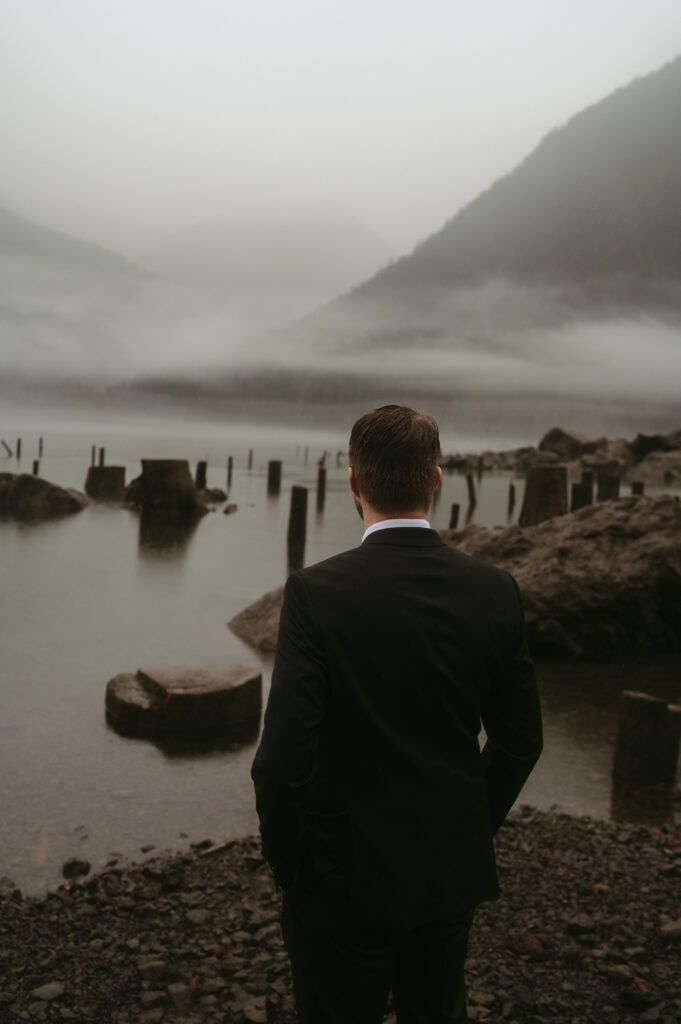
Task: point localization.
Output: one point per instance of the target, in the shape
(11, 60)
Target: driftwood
(219, 846)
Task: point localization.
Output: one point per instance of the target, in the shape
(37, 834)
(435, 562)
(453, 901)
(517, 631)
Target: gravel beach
(588, 929)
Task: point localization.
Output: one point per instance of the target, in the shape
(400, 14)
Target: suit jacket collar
(405, 537)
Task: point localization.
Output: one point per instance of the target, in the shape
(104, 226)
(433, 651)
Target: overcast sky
(121, 119)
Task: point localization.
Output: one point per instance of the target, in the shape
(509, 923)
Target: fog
(123, 121)
(253, 162)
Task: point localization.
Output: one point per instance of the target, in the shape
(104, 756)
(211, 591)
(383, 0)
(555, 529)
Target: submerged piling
(581, 495)
(274, 477)
(297, 527)
(608, 486)
(454, 516)
(470, 483)
(321, 487)
(511, 499)
(545, 494)
(201, 471)
(648, 734)
(230, 464)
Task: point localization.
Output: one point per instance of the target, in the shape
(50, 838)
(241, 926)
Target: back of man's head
(393, 455)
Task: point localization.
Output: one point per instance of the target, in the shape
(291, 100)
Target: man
(376, 806)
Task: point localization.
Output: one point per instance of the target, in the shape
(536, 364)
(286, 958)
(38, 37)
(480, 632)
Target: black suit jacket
(389, 657)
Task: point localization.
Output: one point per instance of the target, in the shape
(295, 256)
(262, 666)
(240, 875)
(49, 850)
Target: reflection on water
(165, 534)
(232, 738)
(642, 805)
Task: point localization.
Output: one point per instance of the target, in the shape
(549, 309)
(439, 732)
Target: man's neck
(371, 516)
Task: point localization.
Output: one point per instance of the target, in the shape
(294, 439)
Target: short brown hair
(393, 454)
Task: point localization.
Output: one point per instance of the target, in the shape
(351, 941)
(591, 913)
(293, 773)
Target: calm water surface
(87, 597)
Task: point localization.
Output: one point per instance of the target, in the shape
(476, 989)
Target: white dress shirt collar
(388, 524)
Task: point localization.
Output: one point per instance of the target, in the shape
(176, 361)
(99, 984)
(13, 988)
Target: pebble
(587, 930)
(53, 990)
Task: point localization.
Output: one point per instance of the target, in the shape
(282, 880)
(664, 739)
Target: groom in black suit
(377, 807)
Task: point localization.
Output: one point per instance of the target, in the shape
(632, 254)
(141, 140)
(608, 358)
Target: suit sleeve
(513, 724)
(284, 767)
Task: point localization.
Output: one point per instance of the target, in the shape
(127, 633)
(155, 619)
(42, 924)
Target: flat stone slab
(186, 701)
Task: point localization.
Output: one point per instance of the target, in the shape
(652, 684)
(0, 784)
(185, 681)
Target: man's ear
(353, 481)
(438, 476)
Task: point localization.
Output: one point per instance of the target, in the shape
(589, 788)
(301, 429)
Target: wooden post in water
(608, 486)
(102, 456)
(480, 467)
(647, 747)
(36, 467)
(321, 487)
(511, 499)
(201, 470)
(470, 482)
(454, 516)
(6, 447)
(581, 495)
(274, 477)
(305, 454)
(93, 455)
(297, 527)
(230, 466)
(545, 494)
(637, 487)
(18, 447)
(250, 459)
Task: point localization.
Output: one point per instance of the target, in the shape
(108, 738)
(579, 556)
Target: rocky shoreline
(588, 929)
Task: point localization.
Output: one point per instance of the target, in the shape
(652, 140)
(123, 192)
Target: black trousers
(344, 969)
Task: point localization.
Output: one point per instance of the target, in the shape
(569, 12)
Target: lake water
(87, 597)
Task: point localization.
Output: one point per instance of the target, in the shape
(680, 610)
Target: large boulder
(660, 467)
(184, 702)
(568, 445)
(258, 624)
(611, 456)
(644, 444)
(603, 580)
(23, 496)
(166, 487)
